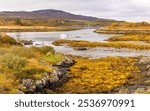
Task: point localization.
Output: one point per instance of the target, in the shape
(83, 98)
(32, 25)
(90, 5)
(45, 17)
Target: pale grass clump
(22, 52)
(13, 62)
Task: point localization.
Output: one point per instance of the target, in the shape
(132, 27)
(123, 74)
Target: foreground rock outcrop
(50, 81)
(142, 85)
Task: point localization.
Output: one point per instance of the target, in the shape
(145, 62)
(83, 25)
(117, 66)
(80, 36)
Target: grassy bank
(18, 63)
(34, 29)
(74, 43)
(105, 75)
(5, 40)
(126, 28)
(122, 31)
(144, 38)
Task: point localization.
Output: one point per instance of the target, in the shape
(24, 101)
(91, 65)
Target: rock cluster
(81, 48)
(50, 81)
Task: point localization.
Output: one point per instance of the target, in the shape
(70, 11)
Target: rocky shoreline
(51, 81)
(59, 76)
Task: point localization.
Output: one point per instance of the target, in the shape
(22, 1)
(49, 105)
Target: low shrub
(32, 73)
(33, 70)
(23, 52)
(13, 62)
(8, 85)
(2, 52)
(46, 49)
(5, 39)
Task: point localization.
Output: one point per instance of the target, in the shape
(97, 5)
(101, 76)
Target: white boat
(78, 36)
(63, 36)
(38, 44)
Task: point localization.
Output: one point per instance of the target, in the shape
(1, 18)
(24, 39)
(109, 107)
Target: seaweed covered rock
(60, 73)
(144, 65)
(66, 63)
(141, 85)
(99, 75)
(81, 48)
(29, 85)
(40, 84)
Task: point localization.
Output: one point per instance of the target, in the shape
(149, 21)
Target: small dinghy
(39, 44)
(63, 36)
(78, 36)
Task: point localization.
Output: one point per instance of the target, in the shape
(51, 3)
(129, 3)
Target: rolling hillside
(49, 14)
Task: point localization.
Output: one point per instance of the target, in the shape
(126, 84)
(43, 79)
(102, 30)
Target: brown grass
(74, 43)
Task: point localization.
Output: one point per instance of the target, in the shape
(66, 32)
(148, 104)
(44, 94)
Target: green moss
(52, 58)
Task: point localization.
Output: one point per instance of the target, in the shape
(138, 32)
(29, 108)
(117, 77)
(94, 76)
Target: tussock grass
(144, 38)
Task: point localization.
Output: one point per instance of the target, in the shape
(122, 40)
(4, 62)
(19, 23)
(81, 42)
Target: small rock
(66, 63)
(148, 73)
(57, 73)
(39, 84)
(145, 60)
(81, 48)
(139, 90)
(29, 85)
(144, 64)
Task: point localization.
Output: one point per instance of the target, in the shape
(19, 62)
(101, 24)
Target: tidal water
(46, 38)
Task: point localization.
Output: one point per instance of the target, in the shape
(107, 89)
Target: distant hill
(49, 14)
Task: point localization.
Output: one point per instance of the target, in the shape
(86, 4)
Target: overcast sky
(129, 10)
